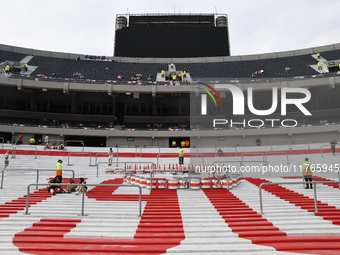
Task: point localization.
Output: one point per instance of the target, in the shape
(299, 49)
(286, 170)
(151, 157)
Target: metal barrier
(122, 163)
(27, 146)
(74, 141)
(13, 150)
(31, 170)
(202, 147)
(217, 148)
(77, 153)
(319, 170)
(3, 141)
(127, 147)
(276, 140)
(104, 153)
(322, 146)
(277, 152)
(279, 183)
(299, 139)
(83, 193)
(252, 153)
(141, 150)
(151, 174)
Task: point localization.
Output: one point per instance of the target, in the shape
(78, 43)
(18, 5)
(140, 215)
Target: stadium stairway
(210, 221)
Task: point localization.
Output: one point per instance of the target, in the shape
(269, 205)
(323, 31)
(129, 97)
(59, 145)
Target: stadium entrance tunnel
(89, 141)
(178, 141)
(5, 137)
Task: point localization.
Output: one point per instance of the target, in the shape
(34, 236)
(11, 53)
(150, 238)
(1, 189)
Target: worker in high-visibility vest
(184, 73)
(307, 173)
(319, 66)
(59, 168)
(183, 143)
(187, 143)
(172, 65)
(163, 73)
(318, 55)
(181, 156)
(174, 143)
(7, 68)
(26, 67)
(32, 141)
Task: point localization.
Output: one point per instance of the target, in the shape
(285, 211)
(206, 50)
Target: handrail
(27, 146)
(103, 153)
(297, 139)
(318, 170)
(13, 150)
(220, 147)
(271, 143)
(83, 193)
(322, 146)
(77, 153)
(3, 141)
(122, 163)
(141, 149)
(151, 173)
(38, 170)
(279, 183)
(74, 141)
(252, 153)
(276, 152)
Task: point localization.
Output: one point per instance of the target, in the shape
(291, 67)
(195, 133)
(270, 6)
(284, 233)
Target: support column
(114, 105)
(154, 106)
(74, 103)
(32, 100)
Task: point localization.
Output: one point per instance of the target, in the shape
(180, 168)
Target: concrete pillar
(154, 106)
(73, 103)
(114, 105)
(32, 100)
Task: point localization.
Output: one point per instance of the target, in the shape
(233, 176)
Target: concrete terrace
(204, 221)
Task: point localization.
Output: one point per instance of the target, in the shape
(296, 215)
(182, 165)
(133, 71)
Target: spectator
(333, 147)
(55, 188)
(258, 142)
(61, 146)
(6, 160)
(81, 188)
(70, 189)
(287, 68)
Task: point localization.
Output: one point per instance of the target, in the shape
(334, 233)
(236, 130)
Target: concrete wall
(243, 137)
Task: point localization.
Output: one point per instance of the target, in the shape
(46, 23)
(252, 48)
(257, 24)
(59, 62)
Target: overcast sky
(87, 27)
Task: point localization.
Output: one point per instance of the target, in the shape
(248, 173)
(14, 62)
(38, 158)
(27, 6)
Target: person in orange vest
(59, 168)
(307, 173)
(187, 143)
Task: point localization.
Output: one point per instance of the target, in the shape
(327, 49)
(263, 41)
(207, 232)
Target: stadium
(248, 124)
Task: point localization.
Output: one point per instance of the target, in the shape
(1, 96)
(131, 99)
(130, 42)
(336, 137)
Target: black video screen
(172, 42)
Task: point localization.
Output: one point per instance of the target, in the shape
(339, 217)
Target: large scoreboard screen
(171, 37)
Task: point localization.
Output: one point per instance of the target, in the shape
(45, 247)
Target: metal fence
(83, 193)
